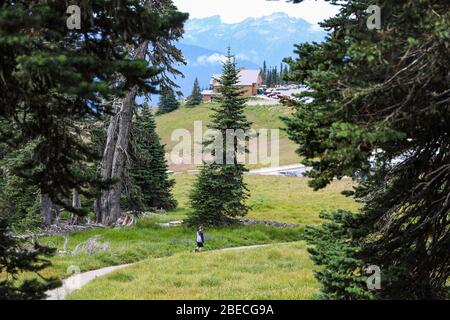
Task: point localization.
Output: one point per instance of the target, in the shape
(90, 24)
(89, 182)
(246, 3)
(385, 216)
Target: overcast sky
(232, 11)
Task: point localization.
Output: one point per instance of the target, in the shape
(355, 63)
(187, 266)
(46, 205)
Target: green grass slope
(272, 198)
(262, 116)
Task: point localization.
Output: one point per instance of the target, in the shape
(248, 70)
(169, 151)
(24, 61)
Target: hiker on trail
(200, 239)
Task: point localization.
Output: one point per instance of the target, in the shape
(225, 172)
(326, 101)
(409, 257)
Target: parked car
(286, 98)
(274, 94)
(291, 173)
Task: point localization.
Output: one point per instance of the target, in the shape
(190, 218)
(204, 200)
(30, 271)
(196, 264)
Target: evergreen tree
(275, 76)
(219, 193)
(269, 78)
(168, 102)
(196, 95)
(20, 203)
(380, 113)
(343, 276)
(53, 79)
(18, 256)
(150, 183)
(264, 73)
(272, 77)
(280, 77)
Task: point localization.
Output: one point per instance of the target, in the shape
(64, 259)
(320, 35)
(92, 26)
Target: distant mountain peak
(210, 18)
(270, 38)
(277, 15)
(253, 41)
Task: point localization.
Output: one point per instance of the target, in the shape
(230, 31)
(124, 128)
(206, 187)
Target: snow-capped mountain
(269, 38)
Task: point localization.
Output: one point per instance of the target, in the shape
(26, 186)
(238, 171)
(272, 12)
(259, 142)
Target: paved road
(271, 171)
(298, 169)
(263, 101)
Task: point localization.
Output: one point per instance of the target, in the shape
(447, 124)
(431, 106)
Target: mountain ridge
(269, 38)
(253, 39)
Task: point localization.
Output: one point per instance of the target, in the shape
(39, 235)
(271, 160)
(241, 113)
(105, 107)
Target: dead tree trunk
(115, 154)
(76, 204)
(102, 205)
(46, 209)
(76, 200)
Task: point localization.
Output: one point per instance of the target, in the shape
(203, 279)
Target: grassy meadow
(262, 116)
(149, 240)
(167, 268)
(281, 271)
(284, 199)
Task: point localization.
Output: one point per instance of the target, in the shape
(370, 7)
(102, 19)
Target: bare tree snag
(76, 200)
(108, 209)
(100, 205)
(76, 204)
(46, 209)
(164, 54)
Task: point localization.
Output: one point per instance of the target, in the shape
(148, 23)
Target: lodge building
(249, 82)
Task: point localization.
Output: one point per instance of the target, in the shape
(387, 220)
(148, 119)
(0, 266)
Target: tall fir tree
(275, 76)
(264, 73)
(269, 77)
(219, 193)
(280, 77)
(19, 256)
(19, 203)
(344, 276)
(380, 113)
(167, 101)
(196, 95)
(151, 186)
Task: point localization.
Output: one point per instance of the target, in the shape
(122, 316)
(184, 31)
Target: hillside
(267, 117)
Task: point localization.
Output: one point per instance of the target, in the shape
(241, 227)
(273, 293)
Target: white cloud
(242, 56)
(315, 28)
(215, 58)
(233, 11)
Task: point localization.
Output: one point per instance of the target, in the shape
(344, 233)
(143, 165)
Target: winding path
(79, 280)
